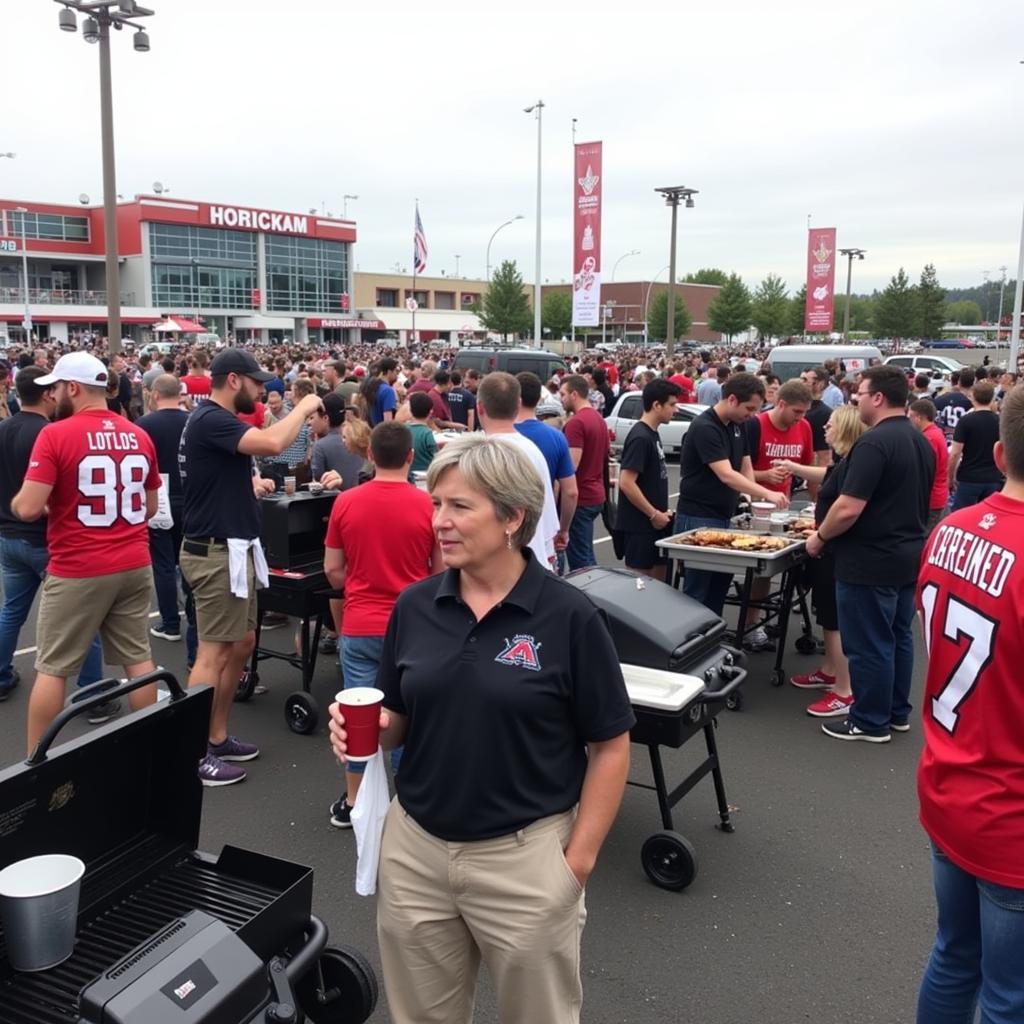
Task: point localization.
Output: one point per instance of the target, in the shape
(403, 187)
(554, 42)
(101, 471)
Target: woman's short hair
(357, 433)
(499, 471)
(847, 426)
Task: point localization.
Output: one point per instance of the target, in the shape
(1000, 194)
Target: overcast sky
(896, 122)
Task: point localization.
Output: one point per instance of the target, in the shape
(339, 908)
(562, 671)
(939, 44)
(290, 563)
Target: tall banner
(586, 265)
(821, 280)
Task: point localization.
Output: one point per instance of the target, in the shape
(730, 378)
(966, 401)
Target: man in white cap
(96, 476)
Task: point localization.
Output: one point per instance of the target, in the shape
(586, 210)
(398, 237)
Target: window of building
(423, 298)
(444, 300)
(202, 268)
(48, 226)
(387, 297)
(306, 274)
(468, 298)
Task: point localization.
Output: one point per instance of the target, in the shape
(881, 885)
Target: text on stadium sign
(258, 220)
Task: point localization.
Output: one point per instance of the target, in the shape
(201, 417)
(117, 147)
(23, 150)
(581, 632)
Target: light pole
(632, 252)
(344, 205)
(457, 258)
(851, 255)
(647, 299)
(1018, 294)
(100, 16)
(999, 311)
(673, 194)
(518, 216)
(27, 321)
(539, 107)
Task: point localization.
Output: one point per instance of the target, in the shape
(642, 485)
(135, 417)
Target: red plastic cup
(360, 706)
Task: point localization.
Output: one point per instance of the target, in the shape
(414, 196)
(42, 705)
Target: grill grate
(51, 997)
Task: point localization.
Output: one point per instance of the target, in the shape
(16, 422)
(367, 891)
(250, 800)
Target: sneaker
(341, 814)
(6, 691)
(757, 640)
(215, 772)
(104, 712)
(165, 633)
(846, 730)
(234, 750)
(900, 725)
(830, 706)
(329, 645)
(816, 680)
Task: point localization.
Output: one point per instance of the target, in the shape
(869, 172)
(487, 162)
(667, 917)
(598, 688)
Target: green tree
(861, 312)
(797, 309)
(657, 317)
(770, 307)
(931, 304)
(729, 312)
(966, 312)
(896, 308)
(556, 314)
(506, 309)
(707, 275)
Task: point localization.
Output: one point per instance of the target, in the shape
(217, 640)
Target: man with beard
(221, 548)
(96, 477)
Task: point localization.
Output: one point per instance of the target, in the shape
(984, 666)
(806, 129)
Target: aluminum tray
(764, 563)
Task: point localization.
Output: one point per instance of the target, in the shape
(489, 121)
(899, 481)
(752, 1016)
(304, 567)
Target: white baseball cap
(79, 367)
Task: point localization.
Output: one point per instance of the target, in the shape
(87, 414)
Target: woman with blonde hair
(843, 429)
(502, 683)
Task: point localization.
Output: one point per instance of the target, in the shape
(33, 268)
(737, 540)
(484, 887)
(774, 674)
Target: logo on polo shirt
(988, 521)
(521, 651)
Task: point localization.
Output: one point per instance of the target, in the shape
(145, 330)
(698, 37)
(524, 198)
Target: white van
(789, 361)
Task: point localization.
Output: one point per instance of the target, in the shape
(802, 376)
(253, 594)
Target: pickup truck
(629, 408)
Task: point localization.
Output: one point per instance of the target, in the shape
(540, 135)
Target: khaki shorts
(72, 611)
(220, 616)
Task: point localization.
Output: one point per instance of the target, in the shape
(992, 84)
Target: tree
(729, 312)
(556, 314)
(657, 317)
(770, 307)
(931, 304)
(896, 308)
(861, 312)
(797, 310)
(966, 312)
(707, 275)
(506, 309)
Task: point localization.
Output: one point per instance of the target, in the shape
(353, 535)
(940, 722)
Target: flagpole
(412, 340)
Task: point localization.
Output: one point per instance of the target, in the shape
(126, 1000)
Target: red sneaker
(830, 706)
(816, 680)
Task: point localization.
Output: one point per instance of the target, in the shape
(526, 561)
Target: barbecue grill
(164, 933)
(679, 675)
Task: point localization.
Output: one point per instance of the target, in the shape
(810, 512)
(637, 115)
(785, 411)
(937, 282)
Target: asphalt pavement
(817, 908)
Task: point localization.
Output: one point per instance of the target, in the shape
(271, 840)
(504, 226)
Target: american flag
(419, 257)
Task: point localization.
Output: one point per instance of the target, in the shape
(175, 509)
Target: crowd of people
(462, 498)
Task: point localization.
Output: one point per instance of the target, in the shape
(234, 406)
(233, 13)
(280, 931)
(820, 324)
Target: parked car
(949, 343)
(788, 361)
(941, 365)
(516, 360)
(629, 408)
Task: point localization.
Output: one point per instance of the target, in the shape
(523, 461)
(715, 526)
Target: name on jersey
(112, 441)
(782, 451)
(978, 561)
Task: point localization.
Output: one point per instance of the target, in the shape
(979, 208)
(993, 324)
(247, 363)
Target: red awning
(178, 324)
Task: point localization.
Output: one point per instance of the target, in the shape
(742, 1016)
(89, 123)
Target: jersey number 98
(120, 486)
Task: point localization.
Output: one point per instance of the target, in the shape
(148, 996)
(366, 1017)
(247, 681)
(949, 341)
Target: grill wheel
(341, 989)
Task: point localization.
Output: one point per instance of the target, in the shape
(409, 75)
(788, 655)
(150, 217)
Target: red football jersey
(970, 780)
(100, 466)
(795, 444)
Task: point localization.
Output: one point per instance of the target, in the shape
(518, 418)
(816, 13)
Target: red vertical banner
(586, 260)
(821, 280)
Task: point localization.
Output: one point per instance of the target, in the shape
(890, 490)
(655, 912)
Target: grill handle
(715, 696)
(98, 693)
(304, 961)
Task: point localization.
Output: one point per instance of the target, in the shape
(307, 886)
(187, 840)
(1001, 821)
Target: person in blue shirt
(378, 392)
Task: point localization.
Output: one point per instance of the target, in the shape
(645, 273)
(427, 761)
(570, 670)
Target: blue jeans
(580, 550)
(163, 549)
(23, 566)
(875, 627)
(971, 494)
(360, 659)
(977, 950)
(710, 588)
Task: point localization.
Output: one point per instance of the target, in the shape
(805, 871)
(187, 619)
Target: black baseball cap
(237, 360)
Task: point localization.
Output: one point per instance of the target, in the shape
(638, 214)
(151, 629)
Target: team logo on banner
(521, 652)
(586, 267)
(821, 278)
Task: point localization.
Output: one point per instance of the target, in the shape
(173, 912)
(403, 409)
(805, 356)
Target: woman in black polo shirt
(503, 685)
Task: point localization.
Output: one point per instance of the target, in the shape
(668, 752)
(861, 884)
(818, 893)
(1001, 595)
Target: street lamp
(1018, 296)
(344, 204)
(632, 252)
(851, 255)
(673, 194)
(518, 216)
(647, 299)
(539, 107)
(27, 321)
(999, 311)
(100, 16)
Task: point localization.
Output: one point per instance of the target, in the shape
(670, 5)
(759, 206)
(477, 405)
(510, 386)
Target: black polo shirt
(818, 416)
(499, 711)
(708, 439)
(978, 432)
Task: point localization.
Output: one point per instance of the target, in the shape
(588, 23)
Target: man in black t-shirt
(952, 404)
(973, 473)
(877, 527)
(461, 402)
(714, 469)
(221, 526)
(816, 378)
(642, 513)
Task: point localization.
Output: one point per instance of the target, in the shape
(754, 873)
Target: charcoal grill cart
(165, 934)
(679, 674)
(294, 528)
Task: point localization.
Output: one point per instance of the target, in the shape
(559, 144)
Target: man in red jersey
(970, 780)
(380, 538)
(96, 476)
(923, 414)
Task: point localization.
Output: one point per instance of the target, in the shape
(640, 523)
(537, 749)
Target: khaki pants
(512, 902)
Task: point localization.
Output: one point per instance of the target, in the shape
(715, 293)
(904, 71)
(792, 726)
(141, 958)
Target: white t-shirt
(542, 543)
